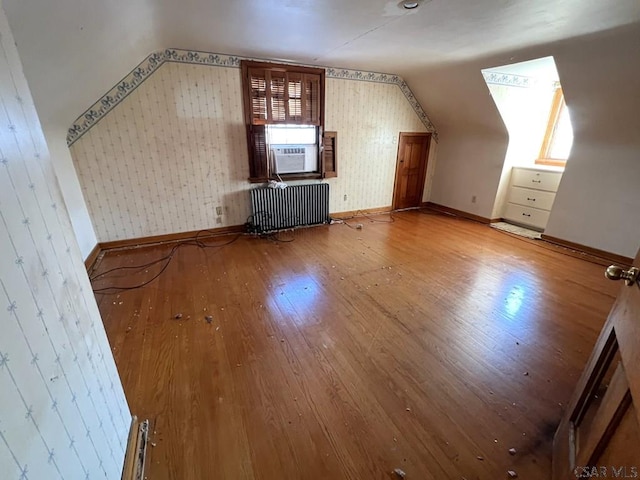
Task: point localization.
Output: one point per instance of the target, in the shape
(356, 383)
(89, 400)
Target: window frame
(558, 104)
(313, 98)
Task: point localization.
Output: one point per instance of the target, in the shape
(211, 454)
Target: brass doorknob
(613, 272)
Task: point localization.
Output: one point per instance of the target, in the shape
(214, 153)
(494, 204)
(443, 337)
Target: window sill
(551, 162)
(288, 177)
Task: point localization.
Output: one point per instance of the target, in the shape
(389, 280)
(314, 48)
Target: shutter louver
(311, 114)
(278, 97)
(258, 82)
(294, 86)
(329, 154)
(258, 162)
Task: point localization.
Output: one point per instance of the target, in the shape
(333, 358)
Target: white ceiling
(75, 50)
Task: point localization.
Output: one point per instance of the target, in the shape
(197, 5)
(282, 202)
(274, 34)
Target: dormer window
(558, 137)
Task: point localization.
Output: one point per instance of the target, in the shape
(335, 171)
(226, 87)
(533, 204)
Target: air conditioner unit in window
(294, 158)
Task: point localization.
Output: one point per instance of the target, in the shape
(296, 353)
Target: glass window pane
(562, 136)
(292, 135)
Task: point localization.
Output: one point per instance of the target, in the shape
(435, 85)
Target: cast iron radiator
(295, 206)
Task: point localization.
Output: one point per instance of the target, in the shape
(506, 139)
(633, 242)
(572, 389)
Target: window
(284, 115)
(558, 138)
(293, 148)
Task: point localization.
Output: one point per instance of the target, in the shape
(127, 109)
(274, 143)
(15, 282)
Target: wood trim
(283, 67)
(554, 114)
(361, 212)
(92, 257)
(611, 257)
(458, 213)
(331, 138)
(135, 454)
(551, 162)
(171, 237)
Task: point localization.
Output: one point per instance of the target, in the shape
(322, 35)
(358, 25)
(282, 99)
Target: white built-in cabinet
(531, 195)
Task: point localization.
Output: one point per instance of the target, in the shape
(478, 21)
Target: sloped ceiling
(75, 50)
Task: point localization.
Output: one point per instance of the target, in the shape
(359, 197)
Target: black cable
(194, 242)
(274, 236)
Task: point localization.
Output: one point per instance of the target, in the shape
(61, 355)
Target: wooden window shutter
(329, 154)
(295, 98)
(278, 91)
(258, 95)
(282, 94)
(258, 160)
(312, 104)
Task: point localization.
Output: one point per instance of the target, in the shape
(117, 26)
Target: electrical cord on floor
(371, 215)
(344, 222)
(274, 236)
(196, 241)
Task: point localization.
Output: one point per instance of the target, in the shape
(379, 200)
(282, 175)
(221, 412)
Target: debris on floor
(512, 474)
(480, 458)
(512, 451)
(526, 374)
(177, 316)
(208, 318)
(399, 473)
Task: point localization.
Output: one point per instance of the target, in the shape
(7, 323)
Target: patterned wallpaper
(154, 61)
(368, 118)
(174, 149)
(63, 413)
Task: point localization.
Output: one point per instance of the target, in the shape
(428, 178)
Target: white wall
(598, 202)
(63, 412)
(69, 49)
(175, 148)
(55, 136)
(599, 196)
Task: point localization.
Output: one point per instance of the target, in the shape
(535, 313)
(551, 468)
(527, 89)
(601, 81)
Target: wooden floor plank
(421, 342)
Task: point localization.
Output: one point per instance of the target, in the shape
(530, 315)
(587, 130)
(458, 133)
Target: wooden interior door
(411, 168)
(599, 436)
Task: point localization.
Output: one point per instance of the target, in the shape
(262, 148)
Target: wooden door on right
(599, 435)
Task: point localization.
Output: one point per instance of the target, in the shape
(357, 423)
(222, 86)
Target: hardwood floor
(431, 344)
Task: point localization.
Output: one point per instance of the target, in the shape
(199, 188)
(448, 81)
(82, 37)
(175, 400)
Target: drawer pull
(526, 214)
(531, 199)
(536, 181)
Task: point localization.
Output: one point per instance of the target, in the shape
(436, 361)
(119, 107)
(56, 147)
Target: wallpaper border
(509, 79)
(155, 60)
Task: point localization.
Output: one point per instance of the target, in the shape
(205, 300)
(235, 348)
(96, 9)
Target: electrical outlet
(345, 197)
(473, 199)
(219, 220)
(218, 211)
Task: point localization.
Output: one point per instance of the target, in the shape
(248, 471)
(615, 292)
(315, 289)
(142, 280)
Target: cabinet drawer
(526, 215)
(532, 198)
(538, 179)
